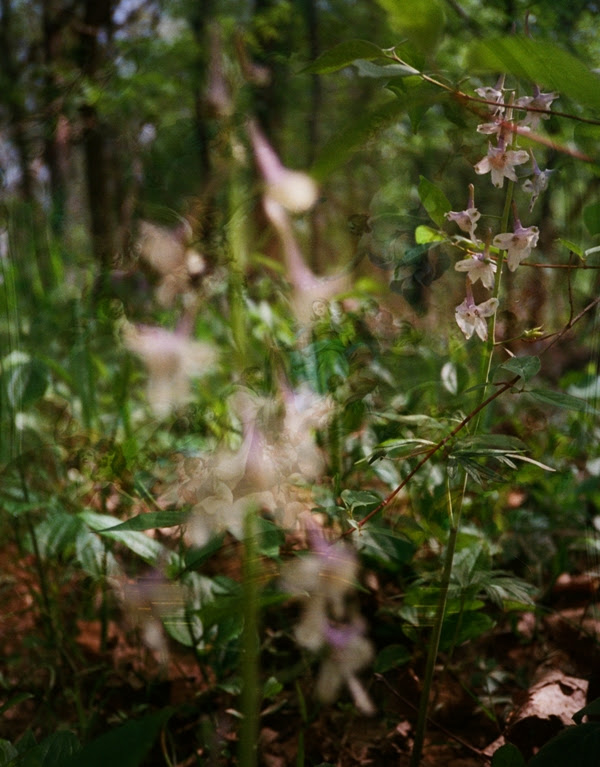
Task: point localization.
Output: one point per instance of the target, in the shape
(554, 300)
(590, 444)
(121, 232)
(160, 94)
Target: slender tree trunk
(97, 19)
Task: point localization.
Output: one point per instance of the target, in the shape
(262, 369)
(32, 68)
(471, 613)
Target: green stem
(250, 701)
(436, 630)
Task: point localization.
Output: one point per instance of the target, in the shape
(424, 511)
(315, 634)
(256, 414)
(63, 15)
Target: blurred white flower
(168, 252)
(470, 316)
(271, 471)
(297, 192)
(324, 580)
(171, 359)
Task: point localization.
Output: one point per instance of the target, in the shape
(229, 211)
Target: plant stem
(436, 631)
(250, 701)
(488, 349)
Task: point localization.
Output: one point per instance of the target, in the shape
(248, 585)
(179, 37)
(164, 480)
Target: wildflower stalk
(436, 631)
(488, 349)
(250, 645)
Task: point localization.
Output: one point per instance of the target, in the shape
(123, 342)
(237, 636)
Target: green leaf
(576, 249)
(526, 367)
(14, 700)
(389, 550)
(508, 755)
(151, 520)
(54, 751)
(560, 399)
(488, 444)
(270, 537)
(578, 745)
(592, 709)
(343, 55)
(434, 201)
(426, 235)
(7, 753)
(126, 746)
(142, 545)
(541, 62)
(357, 134)
(392, 656)
(591, 218)
(420, 21)
(272, 687)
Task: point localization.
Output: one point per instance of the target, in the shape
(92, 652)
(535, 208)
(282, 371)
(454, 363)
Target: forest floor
(522, 682)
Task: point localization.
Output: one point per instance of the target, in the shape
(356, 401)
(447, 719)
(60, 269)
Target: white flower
(171, 360)
(478, 267)
(518, 244)
(470, 317)
(501, 162)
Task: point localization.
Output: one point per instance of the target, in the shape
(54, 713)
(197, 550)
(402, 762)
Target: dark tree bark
(97, 20)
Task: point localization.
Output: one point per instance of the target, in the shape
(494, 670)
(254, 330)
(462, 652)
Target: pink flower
(518, 244)
(537, 101)
(470, 317)
(478, 267)
(501, 163)
(466, 219)
(536, 185)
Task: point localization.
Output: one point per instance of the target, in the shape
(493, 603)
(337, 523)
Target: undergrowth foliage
(245, 463)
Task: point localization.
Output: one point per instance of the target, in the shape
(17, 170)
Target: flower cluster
(270, 471)
(324, 580)
(500, 162)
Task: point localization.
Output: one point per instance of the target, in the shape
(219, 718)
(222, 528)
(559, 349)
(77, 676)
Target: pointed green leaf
(541, 62)
(126, 746)
(560, 399)
(578, 745)
(343, 55)
(508, 755)
(434, 201)
(526, 367)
